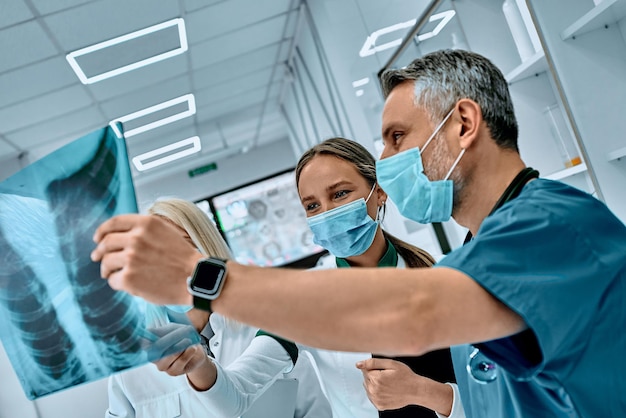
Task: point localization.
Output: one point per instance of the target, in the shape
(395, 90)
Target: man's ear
(470, 118)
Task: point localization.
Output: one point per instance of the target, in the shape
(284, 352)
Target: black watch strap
(202, 303)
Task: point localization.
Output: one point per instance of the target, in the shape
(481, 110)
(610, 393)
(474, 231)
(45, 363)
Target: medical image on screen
(62, 324)
(264, 223)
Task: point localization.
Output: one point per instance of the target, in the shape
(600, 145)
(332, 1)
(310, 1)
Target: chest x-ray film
(60, 323)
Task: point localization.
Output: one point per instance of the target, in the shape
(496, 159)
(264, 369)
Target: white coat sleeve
(457, 405)
(248, 377)
(119, 405)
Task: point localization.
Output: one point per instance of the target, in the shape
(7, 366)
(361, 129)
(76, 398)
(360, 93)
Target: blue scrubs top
(556, 256)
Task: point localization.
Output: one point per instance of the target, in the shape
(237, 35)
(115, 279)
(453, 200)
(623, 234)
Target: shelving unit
(533, 66)
(568, 172)
(586, 48)
(616, 155)
(605, 13)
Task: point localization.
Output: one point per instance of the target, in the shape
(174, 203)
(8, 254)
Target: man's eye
(311, 206)
(396, 137)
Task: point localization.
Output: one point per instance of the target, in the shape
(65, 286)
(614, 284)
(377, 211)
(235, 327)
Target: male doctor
(539, 289)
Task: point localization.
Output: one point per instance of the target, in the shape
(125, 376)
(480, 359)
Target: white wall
(231, 172)
(85, 401)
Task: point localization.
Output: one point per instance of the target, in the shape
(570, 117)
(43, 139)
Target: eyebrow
(329, 188)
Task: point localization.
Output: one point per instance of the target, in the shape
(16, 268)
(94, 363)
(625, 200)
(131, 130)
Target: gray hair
(444, 77)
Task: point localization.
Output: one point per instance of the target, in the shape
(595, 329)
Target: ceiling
(234, 67)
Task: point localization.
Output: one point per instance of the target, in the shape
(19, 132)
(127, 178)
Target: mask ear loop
(454, 164)
(370, 195)
(382, 208)
(437, 129)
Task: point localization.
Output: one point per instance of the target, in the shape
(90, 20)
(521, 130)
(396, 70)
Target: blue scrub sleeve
(538, 265)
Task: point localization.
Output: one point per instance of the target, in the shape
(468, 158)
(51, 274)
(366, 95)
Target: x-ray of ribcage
(61, 324)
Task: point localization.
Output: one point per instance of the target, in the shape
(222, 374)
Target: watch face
(208, 277)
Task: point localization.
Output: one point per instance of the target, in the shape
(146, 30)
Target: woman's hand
(391, 384)
(194, 362)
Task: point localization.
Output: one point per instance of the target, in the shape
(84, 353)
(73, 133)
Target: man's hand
(391, 384)
(145, 256)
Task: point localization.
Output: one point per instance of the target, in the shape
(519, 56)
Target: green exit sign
(201, 170)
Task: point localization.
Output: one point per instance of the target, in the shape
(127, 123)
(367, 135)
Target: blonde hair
(195, 222)
(200, 229)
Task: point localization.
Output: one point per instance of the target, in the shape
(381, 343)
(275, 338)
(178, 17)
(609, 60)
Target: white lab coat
(247, 366)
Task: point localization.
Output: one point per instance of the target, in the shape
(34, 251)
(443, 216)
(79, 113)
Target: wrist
(441, 398)
(206, 282)
(203, 377)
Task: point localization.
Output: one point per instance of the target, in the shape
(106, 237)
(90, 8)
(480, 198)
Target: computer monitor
(264, 223)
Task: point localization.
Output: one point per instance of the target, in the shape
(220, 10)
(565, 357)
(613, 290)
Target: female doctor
(243, 362)
(336, 182)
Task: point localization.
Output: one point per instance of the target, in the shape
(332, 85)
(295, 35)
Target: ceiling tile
(35, 80)
(230, 105)
(146, 97)
(100, 21)
(24, 44)
(236, 86)
(152, 75)
(241, 42)
(238, 66)
(7, 150)
(191, 5)
(211, 22)
(42, 108)
(57, 128)
(46, 6)
(12, 12)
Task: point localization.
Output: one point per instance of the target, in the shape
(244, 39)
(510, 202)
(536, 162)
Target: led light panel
(187, 147)
(72, 56)
(370, 47)
(191, 110)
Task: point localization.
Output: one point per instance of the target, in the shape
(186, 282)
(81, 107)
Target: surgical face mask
(179, 308)
(345, 231)
(402, 178)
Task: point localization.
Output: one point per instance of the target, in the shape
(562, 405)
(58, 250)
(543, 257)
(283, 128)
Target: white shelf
(617, 154)
(532, 66)
(605, 13)
(559, 175)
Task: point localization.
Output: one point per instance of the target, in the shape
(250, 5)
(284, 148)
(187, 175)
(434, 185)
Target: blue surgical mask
(179, 308)
(418, 198)
(345, 231)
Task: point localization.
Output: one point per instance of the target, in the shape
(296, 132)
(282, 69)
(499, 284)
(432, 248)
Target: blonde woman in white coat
(229, 372)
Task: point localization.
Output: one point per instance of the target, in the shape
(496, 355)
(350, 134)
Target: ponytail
(412, 255)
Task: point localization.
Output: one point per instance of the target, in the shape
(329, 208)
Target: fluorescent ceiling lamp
(72, 56)
(370, 47)
(187, 147)
(191, 110)
(361, 82)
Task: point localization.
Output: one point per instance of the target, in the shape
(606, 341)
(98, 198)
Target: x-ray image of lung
(61, 324)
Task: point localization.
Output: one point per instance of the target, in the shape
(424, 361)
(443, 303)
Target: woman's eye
(341, 193)
(310, 206)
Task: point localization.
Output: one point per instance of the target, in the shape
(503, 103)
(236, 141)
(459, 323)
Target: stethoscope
(482, 369)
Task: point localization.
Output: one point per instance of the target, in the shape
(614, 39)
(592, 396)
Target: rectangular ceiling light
(190, 110)
(370, 47)
(129, 52)
(167, 153)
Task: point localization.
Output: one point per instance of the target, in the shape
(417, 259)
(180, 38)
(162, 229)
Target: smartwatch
(206, 282)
